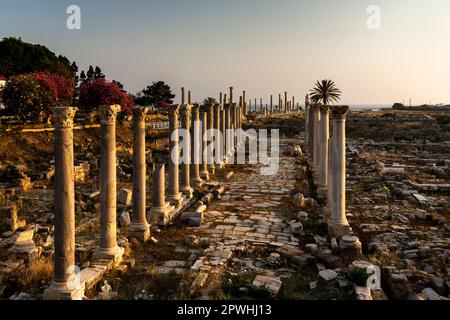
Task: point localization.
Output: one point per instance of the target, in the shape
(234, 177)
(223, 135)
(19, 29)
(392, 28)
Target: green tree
(325, 92)
(27, 99)
(18, 57)
(158, 93)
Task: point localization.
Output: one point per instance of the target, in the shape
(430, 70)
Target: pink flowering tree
(102, 92)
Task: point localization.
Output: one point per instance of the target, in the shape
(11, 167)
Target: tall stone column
(64, 285)
(324, 136)
(338, 225)
(185, 187)
(244, 104)
(204, 128)
(108, 248)
(159, 214)
(217, 138)
(228, 144)
(256, 108)
(250, 105)
(174, 194)
(182, 96)
(223, 132)
(231, 94)
(307, 120)
(139, 228)
(196, 145)
(316, 159)
(221, 99)
(293, 103)
(235, 124)
(330, 176)
(189, 98)
(271, 103)
(280, 107)
(311, 132)
(211, 137)
(285, 102)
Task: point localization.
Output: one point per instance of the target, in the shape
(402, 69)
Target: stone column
(323, 162)
(220, 99)
(174, 194)
(235, 124)
(311, 131)
(182, 96)
(285, 102)
(196, 145)
(317, 149)
(64, 285)
(185, 187)
(244, 104)
(189, 98)
(338, 225)
(204, 128)
(210, 137)
(279, 102)
(228, 151)
(271, 103)
(250, 105)
(329, 205)
(159, 214)
(293, 103)
(307, 120)
(231, 94)
(256, 108)
(238, 125)
(217, 139)
(223, 132)
(139, 228)
(108, 248)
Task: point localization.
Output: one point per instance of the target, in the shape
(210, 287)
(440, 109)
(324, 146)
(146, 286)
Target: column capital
(108, 113)
(339, 112)
(174, 108)
(63, 117)
(324, 109)
(195, 107)
(139, 112)
(186, 108)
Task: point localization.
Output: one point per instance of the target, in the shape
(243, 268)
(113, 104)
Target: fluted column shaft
(139, 227)
(338, 224)
(108, 184)
(196, 145)
(174, 193)
(324, 136)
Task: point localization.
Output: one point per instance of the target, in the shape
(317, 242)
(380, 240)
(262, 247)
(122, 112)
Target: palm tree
(209, 101)
(325, 92)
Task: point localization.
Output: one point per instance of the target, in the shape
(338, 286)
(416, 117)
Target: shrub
(31, 96)
(101, 92)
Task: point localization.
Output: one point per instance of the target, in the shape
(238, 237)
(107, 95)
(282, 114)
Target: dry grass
(37, 273)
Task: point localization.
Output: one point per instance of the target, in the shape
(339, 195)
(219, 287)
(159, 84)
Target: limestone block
(363, 293)
(270, 284)
(124, 219)
(124, 197)
(328, 275)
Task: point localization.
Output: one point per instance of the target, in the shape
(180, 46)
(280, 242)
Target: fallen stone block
(363, 293)
(124, 196)
(328, 275)
(270, 284)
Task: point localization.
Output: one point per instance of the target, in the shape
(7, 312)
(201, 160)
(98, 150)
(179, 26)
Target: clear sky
(261, 46)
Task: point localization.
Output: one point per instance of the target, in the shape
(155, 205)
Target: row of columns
(327, 154)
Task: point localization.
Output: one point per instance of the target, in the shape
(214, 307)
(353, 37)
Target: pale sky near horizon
(261, 46)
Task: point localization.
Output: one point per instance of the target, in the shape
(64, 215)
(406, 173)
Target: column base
(327, 214)
(113, 254)
(205, 175)
(188, 192)
(322, 192)
(160, 215)
(339, 230)
(174, 197)
(140, 231)
(64, 291)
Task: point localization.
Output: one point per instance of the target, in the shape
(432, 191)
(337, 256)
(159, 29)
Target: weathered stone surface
(124, 196)
(328, 275)
(270, 284)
